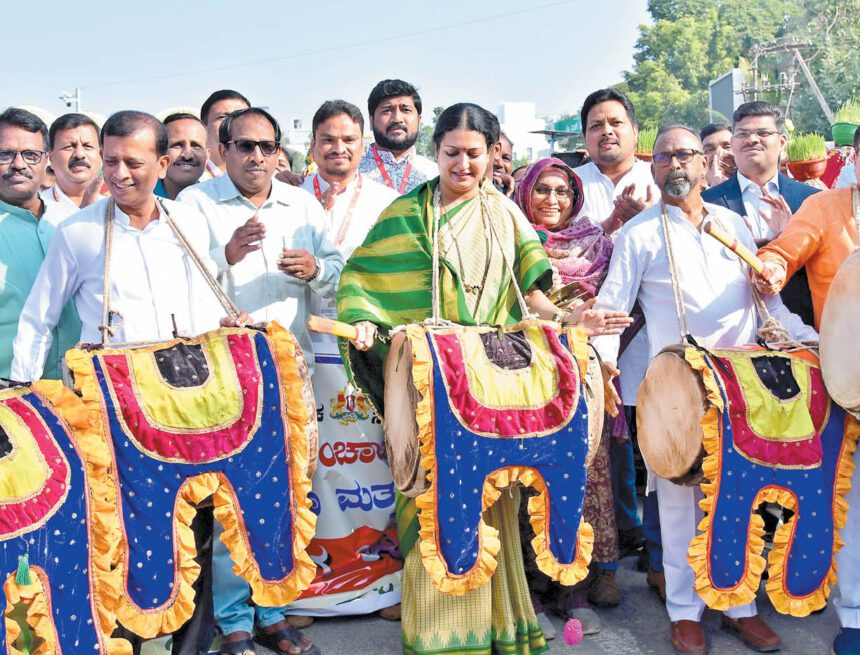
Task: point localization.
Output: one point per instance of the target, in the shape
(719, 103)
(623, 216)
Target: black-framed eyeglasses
(743, 135)
(684, 156)
(31, 157)
(247, 146)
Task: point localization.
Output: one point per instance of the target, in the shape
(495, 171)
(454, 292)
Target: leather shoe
(604, 591)
(657, 581)
(688, 638)
(754, 632)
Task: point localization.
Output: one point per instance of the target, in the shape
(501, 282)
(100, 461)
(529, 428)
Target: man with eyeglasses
(27, 225)
(760, 193)
(720, 311)
(394, 108)
(269, 241)
(186, 145)
(76, 163)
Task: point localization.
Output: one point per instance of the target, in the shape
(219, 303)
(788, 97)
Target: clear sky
(290, 56)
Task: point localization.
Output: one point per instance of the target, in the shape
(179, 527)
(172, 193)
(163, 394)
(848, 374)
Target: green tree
(694, 41)
(424, 144)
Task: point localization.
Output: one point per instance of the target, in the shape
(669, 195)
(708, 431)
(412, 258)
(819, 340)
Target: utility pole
(759, 85)
(69, 99)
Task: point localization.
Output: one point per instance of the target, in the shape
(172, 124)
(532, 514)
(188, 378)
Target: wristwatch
(316, 272)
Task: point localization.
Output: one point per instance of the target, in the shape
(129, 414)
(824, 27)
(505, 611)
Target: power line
(347, 46)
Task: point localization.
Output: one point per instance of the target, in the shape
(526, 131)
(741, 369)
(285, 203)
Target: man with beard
(269, 242)
(186, 145)
(720, 311)
(76, 163)
(215, 109)
(394, 107)
(27, 225)
(362, 577)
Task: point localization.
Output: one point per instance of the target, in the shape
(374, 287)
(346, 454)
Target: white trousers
(679, 516)
(847, 596)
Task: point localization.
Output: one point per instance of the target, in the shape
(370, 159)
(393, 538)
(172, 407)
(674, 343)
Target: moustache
(677, 175)
(396, 126)
(184, 160)
(79, 162)
(17, 171)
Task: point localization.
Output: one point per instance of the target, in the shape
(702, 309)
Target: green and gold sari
(388, 281)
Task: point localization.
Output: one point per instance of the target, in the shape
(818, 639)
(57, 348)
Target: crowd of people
(121, 211)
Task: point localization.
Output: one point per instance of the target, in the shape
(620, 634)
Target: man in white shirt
(720, 311)
(76, 163)
(352, 203)
(269, 242)
(394, 108)
(616, 186)
(156, 288)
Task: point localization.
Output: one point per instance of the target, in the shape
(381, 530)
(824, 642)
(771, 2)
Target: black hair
(70, 122)
(127, 122)
(857, 139)
(468, 116)
(677, 126)
(605, 95)
(27, 121)
(332, 108)
(391, 89)
(759, 108)
(223, 94)
(181, 116)
(227, 125)
(506, 138)
(713, 128)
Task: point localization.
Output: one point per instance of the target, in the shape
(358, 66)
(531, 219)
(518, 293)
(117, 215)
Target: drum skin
(669, 409)
(595, 400)
(399, 424)
(840, 357)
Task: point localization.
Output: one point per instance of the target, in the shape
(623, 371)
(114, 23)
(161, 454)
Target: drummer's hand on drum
(598, 321)
(242, 320)
(611, 399)
(366, 334)
(771, 280)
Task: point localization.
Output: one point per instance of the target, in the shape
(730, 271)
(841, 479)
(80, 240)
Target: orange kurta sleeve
(820, 235)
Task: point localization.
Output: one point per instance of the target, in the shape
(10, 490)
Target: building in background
(518, 121)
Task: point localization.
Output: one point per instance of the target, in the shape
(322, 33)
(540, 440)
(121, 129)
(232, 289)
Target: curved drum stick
(730, 242)
(328, 326)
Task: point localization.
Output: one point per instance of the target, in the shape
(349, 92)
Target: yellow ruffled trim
(105, 531)
(39, 613)
(301, 420)
(488, 536)
(698, 552)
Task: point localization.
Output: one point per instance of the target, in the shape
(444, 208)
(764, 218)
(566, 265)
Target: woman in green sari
(483, 240)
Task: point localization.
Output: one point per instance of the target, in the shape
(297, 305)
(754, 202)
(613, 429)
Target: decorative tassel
(23, 577)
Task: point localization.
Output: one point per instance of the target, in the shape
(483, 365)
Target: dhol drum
(840, 362)
(402, 398)
(669, 410)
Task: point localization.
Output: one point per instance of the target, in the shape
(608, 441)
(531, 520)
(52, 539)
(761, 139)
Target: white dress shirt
(756, 208)
(57, 203)
(599, 194)
(373, 199)
(153, 282)
(293, 220)
(716, 290)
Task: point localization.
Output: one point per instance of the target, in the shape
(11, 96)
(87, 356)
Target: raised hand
(245, 239)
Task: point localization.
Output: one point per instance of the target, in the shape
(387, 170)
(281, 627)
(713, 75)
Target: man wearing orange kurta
(820, 236)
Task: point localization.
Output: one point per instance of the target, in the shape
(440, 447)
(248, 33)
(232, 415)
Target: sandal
(293, 635)
(241, 647)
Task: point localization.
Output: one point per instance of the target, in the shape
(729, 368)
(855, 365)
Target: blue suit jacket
(796, 294)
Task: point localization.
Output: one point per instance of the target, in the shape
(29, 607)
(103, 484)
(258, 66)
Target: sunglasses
(246, 146)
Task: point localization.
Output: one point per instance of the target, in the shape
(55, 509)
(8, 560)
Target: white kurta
(57, 202)
(599, 195)
(293, 220)
(720, 311)
(153, 282)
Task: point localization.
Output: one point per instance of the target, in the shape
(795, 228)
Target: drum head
(669, 410)
(399, 424)
(840, 360)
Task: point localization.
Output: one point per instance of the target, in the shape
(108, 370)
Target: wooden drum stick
(730, 242)
(328, 326)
